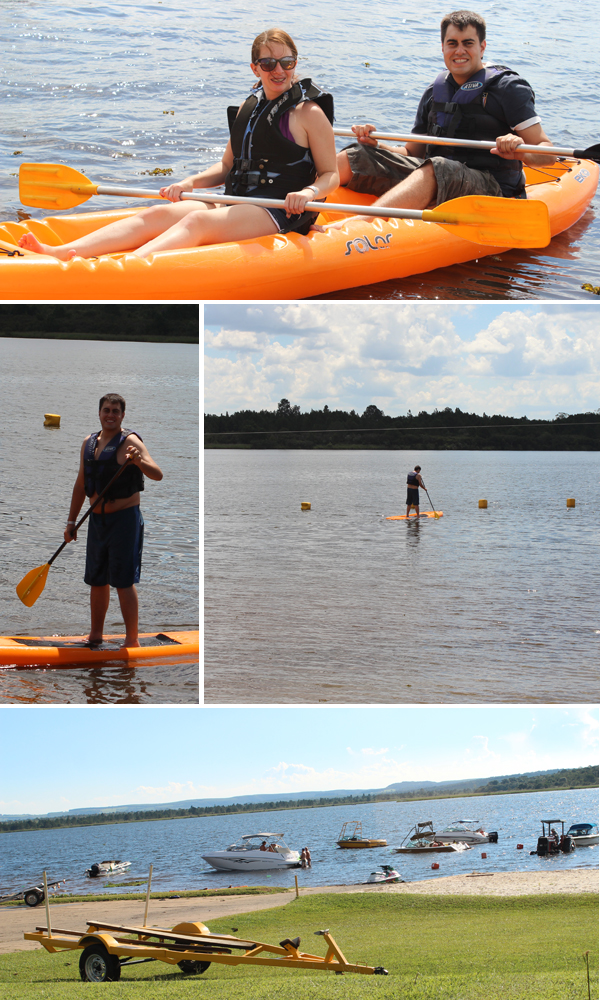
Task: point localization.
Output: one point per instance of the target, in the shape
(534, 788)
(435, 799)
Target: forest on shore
(574, 777)
(151, 323)
(447, 429)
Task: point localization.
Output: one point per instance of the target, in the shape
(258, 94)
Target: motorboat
(352, 836)
(385, 874)
(583, 834)
(551, 842)
(103, 868)
(465, 831)
(417, 842)
(255, 853)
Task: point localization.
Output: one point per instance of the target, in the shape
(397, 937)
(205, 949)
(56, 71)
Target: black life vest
(266, 164)
(462, 114)
(98, 471)
(412, 481)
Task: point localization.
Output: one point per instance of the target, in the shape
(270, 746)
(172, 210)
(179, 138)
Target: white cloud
(511, 360)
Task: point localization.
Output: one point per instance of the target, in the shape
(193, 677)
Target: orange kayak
(273, 267)
(73, 651)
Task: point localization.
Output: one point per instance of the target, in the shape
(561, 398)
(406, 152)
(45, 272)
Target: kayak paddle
(591, 153)
(481, 219)
(33, 583)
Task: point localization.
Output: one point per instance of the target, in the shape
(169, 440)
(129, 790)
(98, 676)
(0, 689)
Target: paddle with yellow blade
(435, 513)
(495, 222)
(33, 583)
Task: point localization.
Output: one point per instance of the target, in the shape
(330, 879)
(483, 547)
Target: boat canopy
(249, 836)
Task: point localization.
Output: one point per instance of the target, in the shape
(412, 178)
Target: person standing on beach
(413, 481)
(116, 529)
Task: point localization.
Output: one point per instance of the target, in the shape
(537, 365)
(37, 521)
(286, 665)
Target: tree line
(447, 429)
(177, 323)
(574, 777)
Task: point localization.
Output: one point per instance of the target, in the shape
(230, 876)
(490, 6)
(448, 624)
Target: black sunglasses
(269, 63)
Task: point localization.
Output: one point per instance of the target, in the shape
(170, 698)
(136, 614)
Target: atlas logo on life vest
(472, 85)
(363, 244)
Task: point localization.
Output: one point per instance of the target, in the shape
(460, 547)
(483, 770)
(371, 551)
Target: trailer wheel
(190, 968)
(97, 966)
(32, 897)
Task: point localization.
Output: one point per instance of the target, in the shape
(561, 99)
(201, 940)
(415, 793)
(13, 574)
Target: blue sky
(70, 757)
(518, 359)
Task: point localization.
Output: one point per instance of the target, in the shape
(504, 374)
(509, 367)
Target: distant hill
(403, 790)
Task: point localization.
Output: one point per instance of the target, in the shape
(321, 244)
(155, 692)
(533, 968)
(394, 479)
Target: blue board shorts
(114, 548)
(412, 497)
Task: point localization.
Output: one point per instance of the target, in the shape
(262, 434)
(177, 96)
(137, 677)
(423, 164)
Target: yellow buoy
(483, 504)
(571, 502)
(305, 506)
(51, 420)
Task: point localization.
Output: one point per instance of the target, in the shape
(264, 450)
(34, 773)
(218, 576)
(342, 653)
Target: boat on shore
(384, 874)
(254, 853)
(102, 868)
(272, 267)
(584, 834)
(418, 841)
(351, 837)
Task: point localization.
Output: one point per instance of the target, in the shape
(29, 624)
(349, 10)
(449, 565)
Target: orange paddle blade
(53, 185)
(32, 584)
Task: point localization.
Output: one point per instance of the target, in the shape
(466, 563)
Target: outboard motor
(95, 870)
(493, 837)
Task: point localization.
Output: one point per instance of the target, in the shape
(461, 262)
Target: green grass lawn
(446, 947)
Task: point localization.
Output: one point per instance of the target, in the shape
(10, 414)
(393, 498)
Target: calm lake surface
(338, 604)
(121, 89)
(175, 847)
(38, 467)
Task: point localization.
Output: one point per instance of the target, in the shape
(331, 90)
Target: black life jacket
(462, 114)
(266, 164)
(98, 471)
(412, 481)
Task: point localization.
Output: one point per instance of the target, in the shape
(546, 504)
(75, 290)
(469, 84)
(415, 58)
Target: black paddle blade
(591, 153)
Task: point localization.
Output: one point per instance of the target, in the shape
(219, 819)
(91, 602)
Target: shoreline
(167, 913)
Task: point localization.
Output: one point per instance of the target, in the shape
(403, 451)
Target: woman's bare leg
(234, 222)
(125, 234)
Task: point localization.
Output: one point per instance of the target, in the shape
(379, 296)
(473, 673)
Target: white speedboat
(103, 868)
(421, 839)
(466, 831)
(256, 852)
(583, 834)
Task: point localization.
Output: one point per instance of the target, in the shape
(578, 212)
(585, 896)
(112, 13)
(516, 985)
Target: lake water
(338, 604)
(39, 465)
(121, 89)
(175, 847)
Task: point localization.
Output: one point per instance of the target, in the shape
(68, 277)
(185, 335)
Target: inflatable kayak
(273, 267)
(413, 517)
(74, 650)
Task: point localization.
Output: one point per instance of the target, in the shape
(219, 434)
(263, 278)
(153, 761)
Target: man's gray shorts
(375, 170)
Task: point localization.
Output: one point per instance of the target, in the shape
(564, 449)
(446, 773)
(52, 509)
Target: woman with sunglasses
(281, 146)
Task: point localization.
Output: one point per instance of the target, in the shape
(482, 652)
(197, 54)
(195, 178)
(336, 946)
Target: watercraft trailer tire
(190, 968)
(33, 897)
(97, 966)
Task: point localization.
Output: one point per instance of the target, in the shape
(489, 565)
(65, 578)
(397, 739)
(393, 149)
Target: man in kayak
(116, 528)
(472, 100)
(413, 481)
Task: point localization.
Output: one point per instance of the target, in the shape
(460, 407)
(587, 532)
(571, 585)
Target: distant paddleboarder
(413, 481)
(116, 528)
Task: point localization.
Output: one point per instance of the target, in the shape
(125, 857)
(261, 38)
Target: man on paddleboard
(413, 481)
(471, 100)
(116, 528)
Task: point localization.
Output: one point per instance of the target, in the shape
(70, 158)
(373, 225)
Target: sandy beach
(14, 921)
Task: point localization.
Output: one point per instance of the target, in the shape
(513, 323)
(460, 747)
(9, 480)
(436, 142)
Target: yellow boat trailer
(107, 948)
